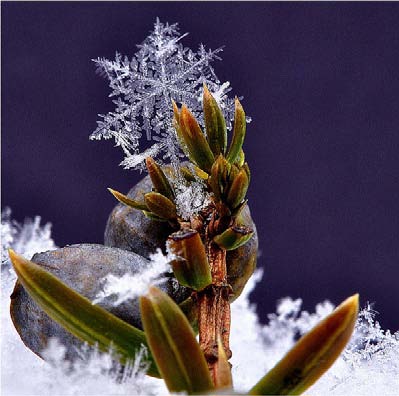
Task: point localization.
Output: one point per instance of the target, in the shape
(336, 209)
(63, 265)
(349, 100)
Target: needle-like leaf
(78, 315)
(238, 133)
(158, 178)
(223, 378)
(216, 132)
(312, 355)
(173, 344)
(128, 201)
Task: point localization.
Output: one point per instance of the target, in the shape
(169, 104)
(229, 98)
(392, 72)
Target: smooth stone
(83, 268)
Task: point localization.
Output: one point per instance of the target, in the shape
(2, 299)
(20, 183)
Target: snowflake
(27, 238)
(143, 88)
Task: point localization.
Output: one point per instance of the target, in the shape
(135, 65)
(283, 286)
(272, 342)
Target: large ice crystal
(144, 86)
(369, 364)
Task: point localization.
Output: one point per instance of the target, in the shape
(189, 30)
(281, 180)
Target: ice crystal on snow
(129, 286)
(144, 86)
(26, 239)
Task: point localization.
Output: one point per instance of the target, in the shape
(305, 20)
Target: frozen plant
(144, 86)
(210, 234)
(214, 254)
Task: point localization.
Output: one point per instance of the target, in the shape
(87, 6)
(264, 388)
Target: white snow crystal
(129, 286)
(144, 86)
(190, 198)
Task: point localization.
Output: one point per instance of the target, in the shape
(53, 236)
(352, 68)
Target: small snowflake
(143, 88)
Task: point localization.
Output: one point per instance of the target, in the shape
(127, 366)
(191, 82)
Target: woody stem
(214, 310)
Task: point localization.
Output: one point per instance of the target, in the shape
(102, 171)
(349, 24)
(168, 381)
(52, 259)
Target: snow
(369, 364)
(143, 88)
(121, 287)
(190, 198)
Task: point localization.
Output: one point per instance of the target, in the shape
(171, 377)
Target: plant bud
(198, 148)
(215, 124)
(238, 133)
(158, 178)
(160, 205)
(238, 189)
(191, 267)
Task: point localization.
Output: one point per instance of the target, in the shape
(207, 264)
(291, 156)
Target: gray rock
(130, 229)
(81, 267)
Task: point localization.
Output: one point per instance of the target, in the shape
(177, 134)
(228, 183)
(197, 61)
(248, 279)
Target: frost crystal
(129, 286)
(191, 198)
(143, 88)
(26, 239)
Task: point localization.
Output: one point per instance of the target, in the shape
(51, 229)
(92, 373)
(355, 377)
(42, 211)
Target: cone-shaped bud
(234, 170)
(127, 201)
(78, 315)
(158, 178)
(223, 379)
(216, 132)
(238, 133)
(233, 237)
(173, 344)
(191, 267)
(312, 355)
(160, 205)
(238, 189)
(218, 179)
(198, 148)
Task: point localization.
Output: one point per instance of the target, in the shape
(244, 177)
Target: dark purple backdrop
(321, 82)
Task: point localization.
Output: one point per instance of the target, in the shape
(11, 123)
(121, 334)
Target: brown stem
(214, 310)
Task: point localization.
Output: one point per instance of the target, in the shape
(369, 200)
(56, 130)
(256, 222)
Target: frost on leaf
(143, 88)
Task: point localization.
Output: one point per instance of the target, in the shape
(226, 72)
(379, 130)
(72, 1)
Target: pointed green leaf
(153, 216)
(238, 189)
(78, 315)
(191, 267)
(247, 171)
(238, 133)
(128, 201)
(223, 379)
(198, 148)
(173, 344)
(219, 177)
(158, 178)
(312, 355)
(233, 237)
(216, 132)
(160, 205)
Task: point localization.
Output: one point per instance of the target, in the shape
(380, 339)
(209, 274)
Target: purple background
(321, 83)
